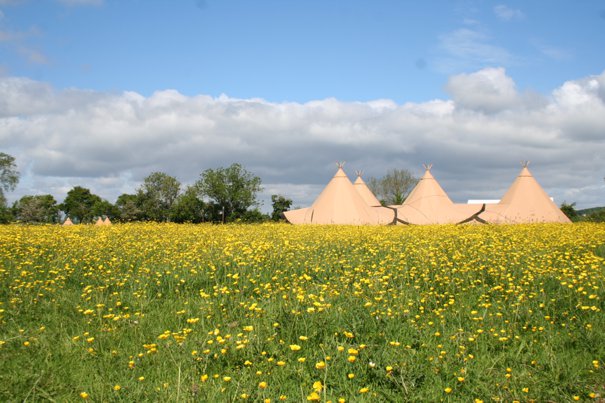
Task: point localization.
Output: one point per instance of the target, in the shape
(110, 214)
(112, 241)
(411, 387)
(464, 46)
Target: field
(301, 313)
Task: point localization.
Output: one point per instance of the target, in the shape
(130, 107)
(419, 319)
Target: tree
(9, 176)
(104, 208)
(569, 210)
(37, 209)
(232, 190)
(157, 194)
(78, 205)
(188, 207)
(253, 216)
(128, 208)
(394, 187)
(280, 204)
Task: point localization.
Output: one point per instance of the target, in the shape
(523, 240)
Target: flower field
(302, 313)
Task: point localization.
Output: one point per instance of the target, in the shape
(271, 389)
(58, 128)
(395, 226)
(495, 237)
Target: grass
(220, 313)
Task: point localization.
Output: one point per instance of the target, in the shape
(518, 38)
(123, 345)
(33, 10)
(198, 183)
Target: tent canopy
(524, 202)
(340, 203)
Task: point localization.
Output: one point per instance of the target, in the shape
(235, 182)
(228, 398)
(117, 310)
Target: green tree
(253, 216)
(280, 204)
(9, 176)
(157, 194)
(128, 208)
(104, 208)
(37, 209)
(78, 205)
(394, 187)
(596, 216)
(188, 207)
(231, 190)
(569, 210)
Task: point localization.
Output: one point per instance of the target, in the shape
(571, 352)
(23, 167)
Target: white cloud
(111, 141)
(506, 13)
(489, 90)
(467, 49)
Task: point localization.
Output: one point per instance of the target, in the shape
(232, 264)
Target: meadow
(274, 312)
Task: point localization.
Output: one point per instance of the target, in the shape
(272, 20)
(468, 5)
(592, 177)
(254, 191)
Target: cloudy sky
(100, 93)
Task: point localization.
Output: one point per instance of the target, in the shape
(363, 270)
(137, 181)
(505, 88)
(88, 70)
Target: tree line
(219, 195)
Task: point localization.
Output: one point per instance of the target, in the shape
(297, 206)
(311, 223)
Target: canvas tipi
(524, 202)
(365, 192)
(68, 222)
(340, 203)
(429, 204)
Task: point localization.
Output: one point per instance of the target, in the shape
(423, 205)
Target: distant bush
(596, 216)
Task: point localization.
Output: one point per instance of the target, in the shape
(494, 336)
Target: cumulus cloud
(488, 90)
(110, 141)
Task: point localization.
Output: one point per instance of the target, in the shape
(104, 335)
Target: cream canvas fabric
(296, 216)
(524, 202)
(365, 192)
(340, 203)
(429, 204)
(68, 222)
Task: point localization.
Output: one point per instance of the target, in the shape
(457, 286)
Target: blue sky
(103, 92)
(299, 50)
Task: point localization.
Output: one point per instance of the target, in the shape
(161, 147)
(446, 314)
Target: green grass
(493, 313)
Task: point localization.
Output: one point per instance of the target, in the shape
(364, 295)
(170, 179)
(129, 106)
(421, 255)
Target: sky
(101, 93)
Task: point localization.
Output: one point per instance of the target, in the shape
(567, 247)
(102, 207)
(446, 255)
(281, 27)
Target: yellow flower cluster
(263, 312)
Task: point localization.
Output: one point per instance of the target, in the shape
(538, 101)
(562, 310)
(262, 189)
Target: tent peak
(359, 173)
(525, 163)
(340, 165)
(427, 166)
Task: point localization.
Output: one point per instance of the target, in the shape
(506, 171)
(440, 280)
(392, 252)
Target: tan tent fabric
(99, 221)
(524, 202)
(106, 221)
(296, 216)
(365, 192)
(68, 221)
(429, 204)
(340, 203)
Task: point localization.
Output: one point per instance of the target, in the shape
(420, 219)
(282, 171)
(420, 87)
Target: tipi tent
(340, 203)
(429, 204)
(100, 221)
(68, 222)
(106, 221)
(365, 192)
(524, 202)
